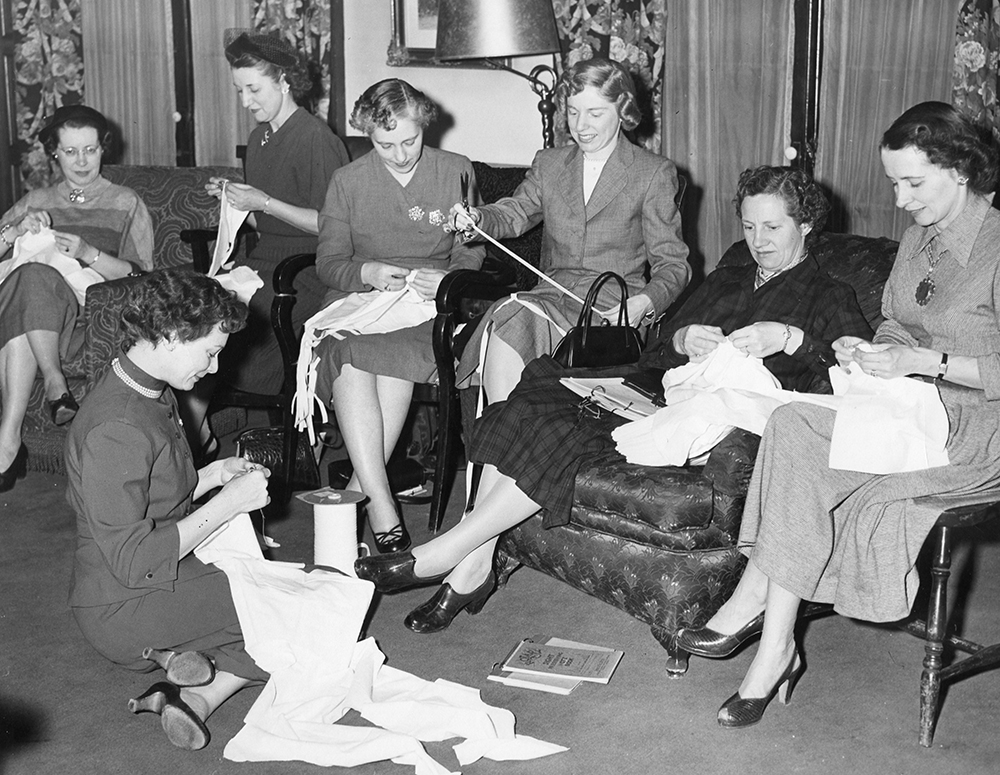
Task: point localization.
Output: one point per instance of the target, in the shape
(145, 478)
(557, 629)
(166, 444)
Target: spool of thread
(335, 528)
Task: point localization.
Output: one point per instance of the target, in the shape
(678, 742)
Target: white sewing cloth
(882, 426)
(303, 628)
(372, 312)
(41, 248)
(230, 220)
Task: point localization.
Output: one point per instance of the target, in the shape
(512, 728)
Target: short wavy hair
(950, 140)
(179, 303)
(804, 200)
(610, 78)
(383, 103)
(275, 59)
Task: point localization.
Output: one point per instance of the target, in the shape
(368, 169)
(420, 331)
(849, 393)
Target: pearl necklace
(142, 391)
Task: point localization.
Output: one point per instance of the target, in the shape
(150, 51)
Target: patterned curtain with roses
(49, 56)
(977, 51)
(627, 31)
(305, 24)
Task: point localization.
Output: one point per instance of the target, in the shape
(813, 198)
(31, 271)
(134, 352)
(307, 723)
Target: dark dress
(130, 478)
(291, 165)
(541, 436)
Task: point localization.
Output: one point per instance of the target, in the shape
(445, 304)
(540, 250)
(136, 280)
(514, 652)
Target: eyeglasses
(88, 152)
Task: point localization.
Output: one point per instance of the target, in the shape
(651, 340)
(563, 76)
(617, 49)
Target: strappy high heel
(185, 668)
(740, 711)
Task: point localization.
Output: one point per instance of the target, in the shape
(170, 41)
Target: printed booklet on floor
(556, 665)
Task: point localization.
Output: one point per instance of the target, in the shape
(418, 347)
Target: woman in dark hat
(290, 157)
(104, 227)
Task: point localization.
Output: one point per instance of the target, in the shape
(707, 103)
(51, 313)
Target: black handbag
(604, 344)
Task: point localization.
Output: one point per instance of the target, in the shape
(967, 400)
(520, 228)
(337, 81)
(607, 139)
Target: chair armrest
(200, 239)
(283, 282)
(729, 468)
(484, 285)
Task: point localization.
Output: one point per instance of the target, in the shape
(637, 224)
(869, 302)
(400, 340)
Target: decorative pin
(415, 213)
(76, 196)
(925, 290)
(265, 138)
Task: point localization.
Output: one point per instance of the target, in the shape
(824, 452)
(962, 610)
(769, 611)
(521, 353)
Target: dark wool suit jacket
(630, 223)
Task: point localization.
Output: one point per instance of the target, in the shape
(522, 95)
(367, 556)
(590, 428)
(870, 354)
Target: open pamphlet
(612, 394)
(555, 665)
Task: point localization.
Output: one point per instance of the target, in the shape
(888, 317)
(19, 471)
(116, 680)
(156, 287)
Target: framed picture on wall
(414, 36)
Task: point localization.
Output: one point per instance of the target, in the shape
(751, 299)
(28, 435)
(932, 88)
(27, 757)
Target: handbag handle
(588, 305)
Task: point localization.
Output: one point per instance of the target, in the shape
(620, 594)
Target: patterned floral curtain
(49, 56)
(305, 24)
(627, 31)
(977, 51)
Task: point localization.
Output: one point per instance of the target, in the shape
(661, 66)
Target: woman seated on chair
(607, 205)
(849, 538)
(384, 226)
(102, 226)
(139, 595)
(782, 309)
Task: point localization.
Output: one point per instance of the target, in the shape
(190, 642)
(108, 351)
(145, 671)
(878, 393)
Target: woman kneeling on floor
(138, 593)
(782, 309)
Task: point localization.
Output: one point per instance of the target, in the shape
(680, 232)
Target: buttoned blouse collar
(960, 236)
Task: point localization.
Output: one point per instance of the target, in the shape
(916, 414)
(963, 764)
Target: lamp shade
(480, 29)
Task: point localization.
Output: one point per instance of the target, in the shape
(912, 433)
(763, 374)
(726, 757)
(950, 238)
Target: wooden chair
(956, 512)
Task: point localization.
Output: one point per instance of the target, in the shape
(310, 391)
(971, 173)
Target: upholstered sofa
(660, 543)
(176, 200)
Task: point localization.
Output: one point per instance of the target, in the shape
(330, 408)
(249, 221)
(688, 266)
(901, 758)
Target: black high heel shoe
(183, 726)
(16, 470)
(63, 409)
(745, 711)
(395, 539)
(439, 612)
(185, 668)
(709, 643)
(392, 572)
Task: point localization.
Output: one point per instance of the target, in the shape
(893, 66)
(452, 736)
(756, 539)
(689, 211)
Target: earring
(962, 181)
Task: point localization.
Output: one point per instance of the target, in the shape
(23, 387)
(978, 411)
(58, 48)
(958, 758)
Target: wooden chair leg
(444, 465)
(290, 439)
(937, 623)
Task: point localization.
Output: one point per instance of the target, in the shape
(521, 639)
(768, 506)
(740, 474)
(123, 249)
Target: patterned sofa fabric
(660, 543)
(176, 200)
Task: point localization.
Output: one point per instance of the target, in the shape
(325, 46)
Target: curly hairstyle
(804, 200)
(610, 78)
(273, 57)
(75, 117)
(386, 101)
(181, 303)
(950, 140)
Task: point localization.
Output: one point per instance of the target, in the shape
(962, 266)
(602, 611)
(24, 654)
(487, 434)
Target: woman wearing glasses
(102, 226)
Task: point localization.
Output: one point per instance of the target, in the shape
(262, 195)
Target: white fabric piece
(372, 312)
(882, 426)
(243, 281)
(302, 628)
(41, 248)
(230, 220)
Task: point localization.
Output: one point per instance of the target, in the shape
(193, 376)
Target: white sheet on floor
(882, 426)
(302, 628)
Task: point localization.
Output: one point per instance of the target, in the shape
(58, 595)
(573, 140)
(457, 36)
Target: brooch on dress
(76, 196)
(416, 213)
(436, 218)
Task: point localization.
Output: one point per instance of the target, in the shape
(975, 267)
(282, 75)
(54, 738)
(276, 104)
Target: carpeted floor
(62, 707)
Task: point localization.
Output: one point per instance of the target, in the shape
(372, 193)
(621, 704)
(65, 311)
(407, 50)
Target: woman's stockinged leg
(17, 374)
(205, 699)
(747, 600)
(468, 547)
(45, 349)
(371, 410)
(501, 370)
(777, 642)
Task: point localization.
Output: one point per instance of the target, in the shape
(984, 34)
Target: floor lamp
(493, 29)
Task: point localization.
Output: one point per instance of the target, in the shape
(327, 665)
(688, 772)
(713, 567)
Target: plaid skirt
(541, 436)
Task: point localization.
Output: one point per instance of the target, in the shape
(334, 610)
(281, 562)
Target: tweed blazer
(630, 225)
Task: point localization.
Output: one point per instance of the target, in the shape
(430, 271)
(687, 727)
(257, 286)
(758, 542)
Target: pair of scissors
(466, 233)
